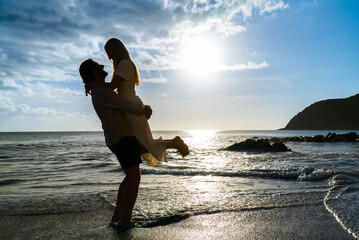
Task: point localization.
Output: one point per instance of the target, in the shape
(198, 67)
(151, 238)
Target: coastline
(298, 222)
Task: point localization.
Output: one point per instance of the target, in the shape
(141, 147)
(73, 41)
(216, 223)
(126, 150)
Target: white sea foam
(342, 201)
(315, 174)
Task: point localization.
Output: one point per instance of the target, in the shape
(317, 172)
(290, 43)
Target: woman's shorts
(127, 152)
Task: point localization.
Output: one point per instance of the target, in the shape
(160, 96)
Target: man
(110, 109)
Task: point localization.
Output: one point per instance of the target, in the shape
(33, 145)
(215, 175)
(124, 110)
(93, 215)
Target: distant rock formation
(331, 114)
(330, 137)
(260, 145)
(276, 144)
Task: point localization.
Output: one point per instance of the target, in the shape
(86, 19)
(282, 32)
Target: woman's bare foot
(181, 146)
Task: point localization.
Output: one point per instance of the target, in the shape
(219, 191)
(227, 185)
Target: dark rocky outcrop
(259, 145)
(277, 145)
(331, 114)
(330, 137)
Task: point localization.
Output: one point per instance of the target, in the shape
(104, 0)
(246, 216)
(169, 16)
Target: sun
(201, 56)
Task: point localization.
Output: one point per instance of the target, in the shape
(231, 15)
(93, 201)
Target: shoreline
(297, 222)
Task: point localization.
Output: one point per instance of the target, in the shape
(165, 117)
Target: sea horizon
(172, 130)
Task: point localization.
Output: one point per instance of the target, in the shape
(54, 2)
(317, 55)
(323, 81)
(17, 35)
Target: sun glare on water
(201, 56)
(201, 138)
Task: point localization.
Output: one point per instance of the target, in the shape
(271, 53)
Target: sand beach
(301, 222)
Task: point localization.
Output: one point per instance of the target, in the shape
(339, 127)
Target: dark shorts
(127, 152)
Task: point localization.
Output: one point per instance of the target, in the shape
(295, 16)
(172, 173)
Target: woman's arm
(124, 70)
(115, 82)
(107, 98)
(111, 85)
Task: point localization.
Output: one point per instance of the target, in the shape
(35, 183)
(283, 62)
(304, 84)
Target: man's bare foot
(115, 218)
(181, 146)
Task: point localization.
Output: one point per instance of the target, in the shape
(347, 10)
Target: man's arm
(104, 97)
(148, 111)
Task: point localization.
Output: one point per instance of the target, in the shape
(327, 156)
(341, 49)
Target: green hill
(331, 114)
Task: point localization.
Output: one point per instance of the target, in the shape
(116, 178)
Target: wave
(342, 202)
(10, 181)
(81, 165)
(301, 174)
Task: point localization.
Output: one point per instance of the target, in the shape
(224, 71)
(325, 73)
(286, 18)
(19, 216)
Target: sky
(204, 64)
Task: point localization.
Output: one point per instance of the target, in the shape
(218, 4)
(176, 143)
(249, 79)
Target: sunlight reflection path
(201, 138)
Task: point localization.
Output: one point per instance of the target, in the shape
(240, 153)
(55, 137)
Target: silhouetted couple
(124, 122)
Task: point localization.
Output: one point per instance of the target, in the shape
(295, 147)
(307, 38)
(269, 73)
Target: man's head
(91, 71)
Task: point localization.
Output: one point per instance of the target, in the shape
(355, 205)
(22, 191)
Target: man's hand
(148, 111)
(88, 87)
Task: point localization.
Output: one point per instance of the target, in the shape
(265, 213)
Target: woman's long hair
(118, 52)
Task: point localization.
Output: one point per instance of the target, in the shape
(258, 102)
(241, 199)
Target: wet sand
(303, 222)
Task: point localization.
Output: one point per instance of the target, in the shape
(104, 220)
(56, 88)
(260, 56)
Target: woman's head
(116, 52)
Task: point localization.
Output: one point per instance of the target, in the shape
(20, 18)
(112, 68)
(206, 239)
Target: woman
(124, 79)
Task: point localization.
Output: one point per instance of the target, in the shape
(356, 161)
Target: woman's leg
(177, 143)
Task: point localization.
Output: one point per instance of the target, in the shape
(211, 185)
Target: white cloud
(6, 83)
(155, 80)
(254, 53)
(244, 66)
(42, 44)
(162, 61)
(65, 33)
(22, 110)
(48, 91)
(171, 62)
(273, 6)
(6, 103)
(62, 101)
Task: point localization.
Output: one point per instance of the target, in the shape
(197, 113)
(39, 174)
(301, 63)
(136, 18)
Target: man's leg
(120, 201)
(133, 175)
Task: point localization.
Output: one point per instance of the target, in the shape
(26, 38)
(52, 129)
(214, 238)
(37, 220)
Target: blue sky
(223, 65)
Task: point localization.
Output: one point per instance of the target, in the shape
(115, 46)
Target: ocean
(67, 172)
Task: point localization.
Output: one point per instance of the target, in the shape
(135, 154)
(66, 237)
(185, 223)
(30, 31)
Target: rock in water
(260, 145)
